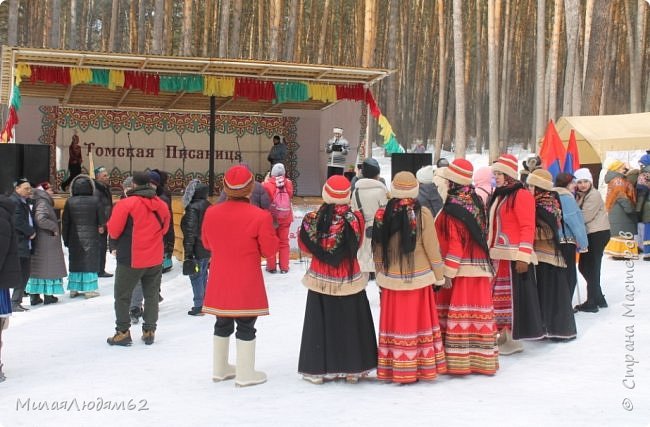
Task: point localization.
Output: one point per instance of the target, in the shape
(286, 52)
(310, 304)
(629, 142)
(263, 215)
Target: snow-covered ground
(57, 355)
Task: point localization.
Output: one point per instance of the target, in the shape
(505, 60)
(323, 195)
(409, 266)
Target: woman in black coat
(196, 203)
(10, 275)
(83, 217)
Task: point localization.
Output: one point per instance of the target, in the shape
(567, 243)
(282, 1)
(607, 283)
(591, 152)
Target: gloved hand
(521, 267)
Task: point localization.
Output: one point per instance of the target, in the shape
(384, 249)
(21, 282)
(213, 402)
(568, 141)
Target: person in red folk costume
(407, 261)
(338, 335)
(465, 303)
(237, 234)
(510, 238)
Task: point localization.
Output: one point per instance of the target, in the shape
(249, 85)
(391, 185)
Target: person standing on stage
(278, 153)
(74, 161)
(337, 150)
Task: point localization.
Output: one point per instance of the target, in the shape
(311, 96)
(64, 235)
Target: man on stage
(337, 148)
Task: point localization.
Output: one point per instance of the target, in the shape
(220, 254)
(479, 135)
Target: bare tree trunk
(323, 32)
(298, 49)
(613, 26)
(492, 84)
(234, 49)
(369, 31)
(391, 81)
(589, 12)
(159, 15)
(553, 60)
(571, 10)
(224, 28)
(168, 30)
(290, 42)
(459, 80)
(186, 50)
(635, 32)
(112, 36)
(73, 35)
(275, 15)
(207, 16)
(595, 66)
(12, 37)
(478, 110)
(133, 27)
(442, 80)
(141, 29)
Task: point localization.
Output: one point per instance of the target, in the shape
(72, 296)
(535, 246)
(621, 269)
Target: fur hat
(370, 168)
(278, 170)
(238, 182)
(506, 164)
(405, 185)
(583, 174)
(337, 190)
(424, 175)
(541, 178)
(459, 171)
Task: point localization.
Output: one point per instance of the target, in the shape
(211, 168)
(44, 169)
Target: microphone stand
(238, 149)
(128, 135)
(184, 157)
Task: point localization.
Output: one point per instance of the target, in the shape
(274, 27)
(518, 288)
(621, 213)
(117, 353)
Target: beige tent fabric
(596, 135)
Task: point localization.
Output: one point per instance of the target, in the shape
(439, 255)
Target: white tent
(596, 135)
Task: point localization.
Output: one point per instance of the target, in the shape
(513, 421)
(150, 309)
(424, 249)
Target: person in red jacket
(510, 238)
(280, 189)
(237, 234)
(465, 304)
(138, 224)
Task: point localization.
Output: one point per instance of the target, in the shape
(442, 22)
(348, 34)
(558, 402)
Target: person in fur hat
(237, 234)
(338, 335)
(407, 260)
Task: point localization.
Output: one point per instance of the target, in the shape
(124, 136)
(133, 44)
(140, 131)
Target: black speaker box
(31, 161)
(410, 162)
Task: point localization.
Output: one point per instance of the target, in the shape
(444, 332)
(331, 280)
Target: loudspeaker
(31, 161)
(410, 162)
(11, 166)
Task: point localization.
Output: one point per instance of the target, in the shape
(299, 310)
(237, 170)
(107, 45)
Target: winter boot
(246, 374)
(509, 346)
(50, 299)
(91, 294)
(2, 375)
(75, 294)
(195, 311)
(221, 370)
(148, 336)
(35, 299)
(122, 338)
(314, 379)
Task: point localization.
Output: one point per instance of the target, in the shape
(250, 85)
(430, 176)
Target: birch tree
(459, 79)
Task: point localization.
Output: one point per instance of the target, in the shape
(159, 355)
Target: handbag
(368, 232)
(190, 266)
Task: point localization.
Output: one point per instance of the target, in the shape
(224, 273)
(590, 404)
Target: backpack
(281, 204)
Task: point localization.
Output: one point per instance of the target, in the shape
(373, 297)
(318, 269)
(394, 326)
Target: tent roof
(596, 135)
(97, 97)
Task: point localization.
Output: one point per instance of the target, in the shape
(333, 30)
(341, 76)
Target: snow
(58, 353)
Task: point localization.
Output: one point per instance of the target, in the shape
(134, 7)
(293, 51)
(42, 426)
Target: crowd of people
(469, 263)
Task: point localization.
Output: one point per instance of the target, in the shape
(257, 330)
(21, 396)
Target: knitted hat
(370, 168)
(278, 170)
(425, 174)
(337, 190)
(459, 171)
(238, 182)
(506, 164)
(541, 178)
(583, 174)
(563, 179)
(405, 185)
(154, 177)
(141, 178)
(483, 177)
(615, 165)
(337, 130)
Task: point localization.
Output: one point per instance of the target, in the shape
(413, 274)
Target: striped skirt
(620, 247)
(410, 344)
(468, 328)
(45, 286)
(502, 296)
(82, 282)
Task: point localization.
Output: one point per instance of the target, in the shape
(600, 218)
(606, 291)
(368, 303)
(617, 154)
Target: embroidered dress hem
(468, 328)
(45, 286)
(410, 341)
(622, 248)
(82, 281)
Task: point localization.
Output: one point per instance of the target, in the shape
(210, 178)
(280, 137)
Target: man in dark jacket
(9, 264)
(105, 199)
(196, 203)
(25, 232)
(278, 153)
(158, 179)
(138, 223)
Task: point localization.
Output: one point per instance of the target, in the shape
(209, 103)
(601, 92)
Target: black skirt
(338, 335)
(526, 315)
(555, 301)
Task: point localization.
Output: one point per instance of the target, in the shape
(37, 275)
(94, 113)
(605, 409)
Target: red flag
(552, 151)
(572, 159)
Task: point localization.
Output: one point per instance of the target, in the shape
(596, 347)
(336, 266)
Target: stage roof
(98, 97)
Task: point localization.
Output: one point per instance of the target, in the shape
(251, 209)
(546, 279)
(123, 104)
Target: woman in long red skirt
(465, 304)
(407, 260)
